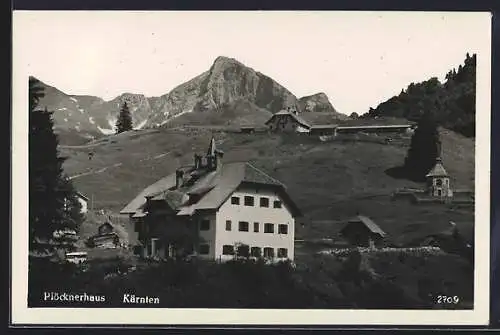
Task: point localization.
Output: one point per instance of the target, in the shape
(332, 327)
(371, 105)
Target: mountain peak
(226, 60)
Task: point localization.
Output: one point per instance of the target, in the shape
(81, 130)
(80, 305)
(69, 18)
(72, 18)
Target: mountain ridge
(227, 84)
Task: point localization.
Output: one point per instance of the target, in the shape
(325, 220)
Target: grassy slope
(329, 180)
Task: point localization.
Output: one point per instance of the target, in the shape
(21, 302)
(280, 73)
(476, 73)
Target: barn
(361, 231)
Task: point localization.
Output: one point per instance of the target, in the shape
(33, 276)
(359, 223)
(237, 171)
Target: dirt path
(103, 169)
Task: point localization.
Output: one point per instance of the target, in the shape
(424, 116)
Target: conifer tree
(53, 206)
(424, 148)
(124, 122)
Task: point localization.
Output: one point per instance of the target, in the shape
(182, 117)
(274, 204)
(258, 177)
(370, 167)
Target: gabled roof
(372, 226)
(294, 116)
(212, 187)
(139, 200)
(438, 170)
(107, 223)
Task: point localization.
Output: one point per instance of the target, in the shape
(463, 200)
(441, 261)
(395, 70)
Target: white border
(21, 314)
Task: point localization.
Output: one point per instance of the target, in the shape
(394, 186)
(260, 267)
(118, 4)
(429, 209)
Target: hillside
(330, 180)
(227, 93)
(452, 102)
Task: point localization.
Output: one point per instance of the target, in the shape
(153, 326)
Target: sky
(359, 59)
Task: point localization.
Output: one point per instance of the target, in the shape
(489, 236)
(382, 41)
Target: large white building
(215, 211)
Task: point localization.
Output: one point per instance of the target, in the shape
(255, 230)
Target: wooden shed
(363, 232)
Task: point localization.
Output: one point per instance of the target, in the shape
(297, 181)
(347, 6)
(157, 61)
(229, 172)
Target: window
(243, 226)
(248, 200)
(268, 252)
(282, 229)
(204, 249)
(264, 202)
(235, 200)
(255, 227)
(228, 250)
(256, 252)
(205, 225)
(243, 250)
(282, 253)
(277, 204)
(268, 228)
(439, 182)
(228, 225)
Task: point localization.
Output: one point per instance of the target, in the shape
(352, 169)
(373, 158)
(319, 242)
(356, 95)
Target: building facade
(215, 211)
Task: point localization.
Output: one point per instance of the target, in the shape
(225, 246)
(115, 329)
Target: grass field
(329, 180)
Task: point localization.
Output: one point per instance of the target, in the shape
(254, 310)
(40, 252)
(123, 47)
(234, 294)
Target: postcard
(250, 168)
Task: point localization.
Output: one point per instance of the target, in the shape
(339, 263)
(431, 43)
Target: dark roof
(372, 226)
(213, 187)
(324, 126)
(82, 196)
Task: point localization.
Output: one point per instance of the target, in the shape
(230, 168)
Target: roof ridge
(265, 174)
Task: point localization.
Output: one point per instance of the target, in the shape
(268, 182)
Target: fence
(415, 251)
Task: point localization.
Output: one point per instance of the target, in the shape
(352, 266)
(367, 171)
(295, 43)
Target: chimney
(197, 161)
(179, 174)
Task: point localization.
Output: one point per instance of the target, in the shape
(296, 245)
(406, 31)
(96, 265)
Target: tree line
(452, 103)
(54, 210)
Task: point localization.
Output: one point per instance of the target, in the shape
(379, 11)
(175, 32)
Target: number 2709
(443, 299)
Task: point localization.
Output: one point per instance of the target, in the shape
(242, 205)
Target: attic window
(264, 202)
(277, 204)
(235, 200)
(248, 200)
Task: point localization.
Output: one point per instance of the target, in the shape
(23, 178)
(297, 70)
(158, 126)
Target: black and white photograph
(232, 167)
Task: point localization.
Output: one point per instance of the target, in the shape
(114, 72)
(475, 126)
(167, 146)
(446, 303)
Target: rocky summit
(215, 96)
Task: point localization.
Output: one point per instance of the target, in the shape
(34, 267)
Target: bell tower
(438, 181)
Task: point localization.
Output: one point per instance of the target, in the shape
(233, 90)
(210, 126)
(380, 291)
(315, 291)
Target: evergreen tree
(53, 206)
(124, 122)
(424, 148)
